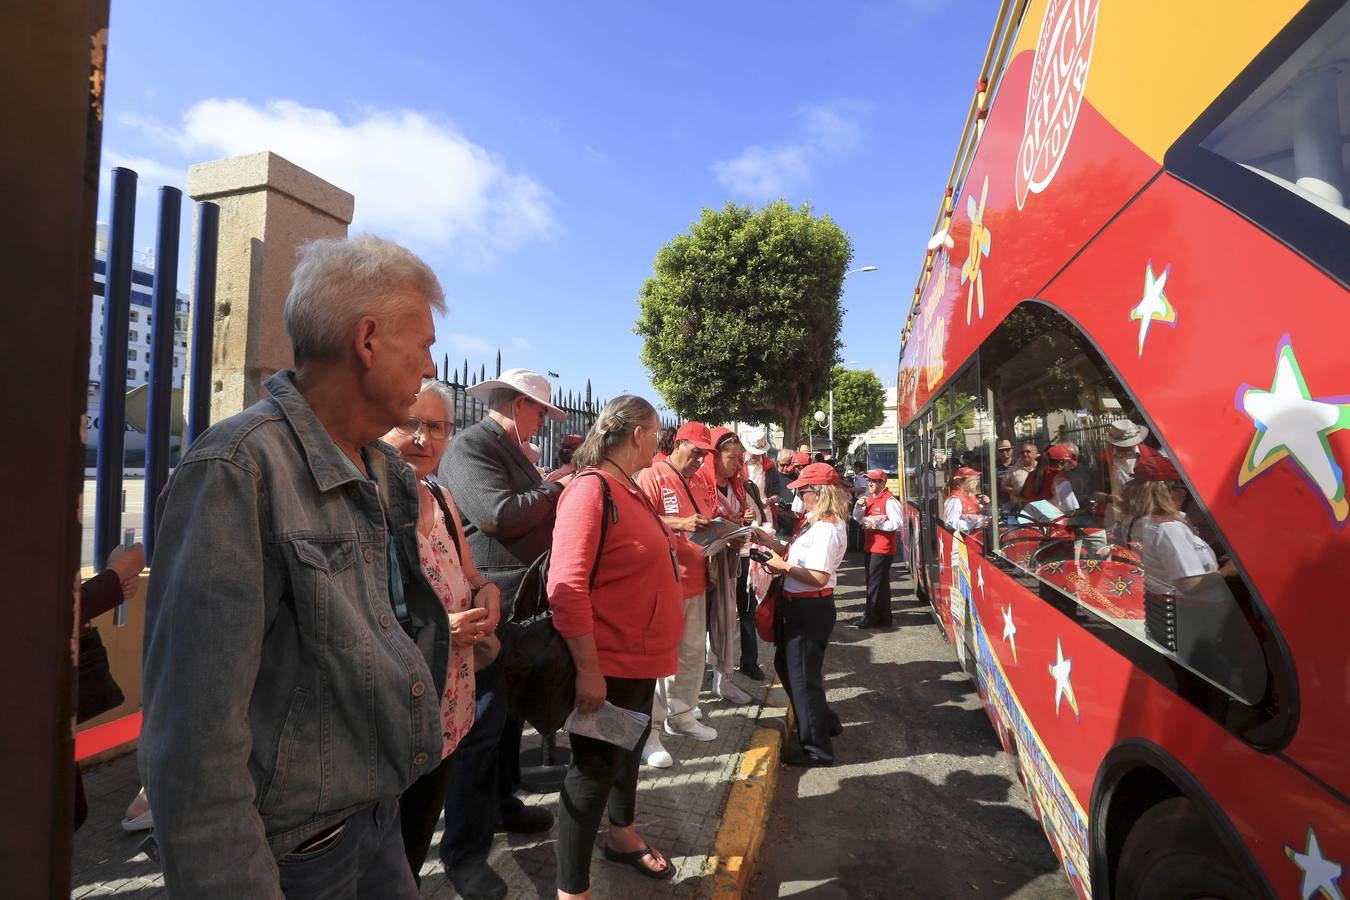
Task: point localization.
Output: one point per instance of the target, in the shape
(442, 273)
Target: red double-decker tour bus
(1125, 400)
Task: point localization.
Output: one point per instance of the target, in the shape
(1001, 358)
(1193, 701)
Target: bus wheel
(1172, 853)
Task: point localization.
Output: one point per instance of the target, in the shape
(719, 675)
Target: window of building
(134, 335)
(131, 354)
(175, 362)
(146, 374)
(135, 316)
(1276, 144)
(1096, 511)
(131, 374)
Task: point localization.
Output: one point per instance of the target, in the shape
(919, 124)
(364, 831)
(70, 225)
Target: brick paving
(679, 810)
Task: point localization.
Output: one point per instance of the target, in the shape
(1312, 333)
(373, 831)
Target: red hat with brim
(875, 475)
(816, 474)
(1059, 451)
(695, 433)
(1155, 468)
(800, 459)
(571, 441)
(967, 472)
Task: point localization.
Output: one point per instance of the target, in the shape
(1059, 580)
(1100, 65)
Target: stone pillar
(268, 207)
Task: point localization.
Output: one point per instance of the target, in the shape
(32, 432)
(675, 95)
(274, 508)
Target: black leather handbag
(98, 691)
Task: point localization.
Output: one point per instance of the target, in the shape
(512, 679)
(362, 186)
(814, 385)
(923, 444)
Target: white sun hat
(522, 381)
(1124, 433)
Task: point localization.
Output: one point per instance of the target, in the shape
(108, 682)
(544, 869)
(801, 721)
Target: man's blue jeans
(365, 861)
(484, 774)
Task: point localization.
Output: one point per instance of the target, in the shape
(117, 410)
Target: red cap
(800, 459)
(816, 473)
(1059, 451)
(1155, 468)
(967, 471)
(875, 475)
(571, 441)
(695, 433)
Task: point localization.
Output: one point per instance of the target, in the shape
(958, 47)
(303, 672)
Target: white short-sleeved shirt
(821, 547)
(1171, 551)
(1065, 498)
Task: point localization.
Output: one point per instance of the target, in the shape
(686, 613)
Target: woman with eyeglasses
(806, 613)
(471, 603)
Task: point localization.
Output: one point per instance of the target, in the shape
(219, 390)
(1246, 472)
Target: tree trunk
(792, 423)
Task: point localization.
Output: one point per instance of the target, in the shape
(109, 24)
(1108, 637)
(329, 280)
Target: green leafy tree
(741, 318)
(859, 405)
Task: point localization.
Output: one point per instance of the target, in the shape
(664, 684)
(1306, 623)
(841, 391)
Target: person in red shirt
(685, 508)
(878, 512)
(622, 620)
(723, 479)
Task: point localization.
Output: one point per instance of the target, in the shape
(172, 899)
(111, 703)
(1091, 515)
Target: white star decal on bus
(1291, 423)
(979, 578)
(1319, 873)
(1154, 307)
(1063, 686)
(1010, 631)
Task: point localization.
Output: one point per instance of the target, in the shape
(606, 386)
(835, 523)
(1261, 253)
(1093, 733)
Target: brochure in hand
(609, 723)
(716, 536)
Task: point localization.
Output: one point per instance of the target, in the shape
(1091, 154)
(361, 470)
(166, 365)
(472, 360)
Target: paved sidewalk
(679, 810)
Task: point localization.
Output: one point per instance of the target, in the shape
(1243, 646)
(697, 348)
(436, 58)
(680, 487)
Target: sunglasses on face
(438, 430)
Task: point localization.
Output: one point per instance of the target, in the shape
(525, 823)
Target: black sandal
(634, 859)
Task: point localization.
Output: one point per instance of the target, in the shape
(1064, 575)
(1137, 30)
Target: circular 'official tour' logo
(1058, 76)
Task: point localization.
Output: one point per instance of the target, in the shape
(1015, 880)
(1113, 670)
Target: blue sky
(538, 155)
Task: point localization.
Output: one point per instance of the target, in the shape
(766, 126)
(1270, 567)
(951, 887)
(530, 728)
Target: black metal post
(164, 311)
(112, 402)
(203, 321)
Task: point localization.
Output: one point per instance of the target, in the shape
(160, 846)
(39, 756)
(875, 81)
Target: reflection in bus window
(1292, 128)
(1094, 509)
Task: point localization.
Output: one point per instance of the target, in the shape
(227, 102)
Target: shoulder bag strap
(608, 511)
(449, 519)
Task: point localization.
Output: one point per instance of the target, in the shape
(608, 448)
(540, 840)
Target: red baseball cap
(695, 433)
(1059, 451)
(967, 471)
(571, 441)
(816, 474)
(875, 475)
(1155, 468)
(800, 459)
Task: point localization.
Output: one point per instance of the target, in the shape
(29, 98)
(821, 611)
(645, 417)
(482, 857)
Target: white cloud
(825, 131)
(151, 173)
(416, 179)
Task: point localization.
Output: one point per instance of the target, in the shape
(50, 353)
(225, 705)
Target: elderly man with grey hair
(293, 657)
(508, 510)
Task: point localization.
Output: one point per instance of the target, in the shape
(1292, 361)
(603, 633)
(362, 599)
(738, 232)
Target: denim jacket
(280, 693)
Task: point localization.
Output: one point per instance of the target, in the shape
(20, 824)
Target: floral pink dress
(441, 564)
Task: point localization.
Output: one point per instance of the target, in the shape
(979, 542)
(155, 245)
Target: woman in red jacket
(622, 620)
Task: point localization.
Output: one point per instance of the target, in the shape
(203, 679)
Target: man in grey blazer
(508, 517)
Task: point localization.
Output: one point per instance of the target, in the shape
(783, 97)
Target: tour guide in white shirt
(806, 611)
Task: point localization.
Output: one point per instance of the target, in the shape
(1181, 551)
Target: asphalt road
(922, 801)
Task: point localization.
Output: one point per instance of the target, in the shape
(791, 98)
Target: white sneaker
(654, 755)
(728, 691)
(144, 822)
(686, 726)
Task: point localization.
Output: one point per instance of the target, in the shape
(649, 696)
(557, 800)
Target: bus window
(1276, 145)
(1096, 511)
(961, 438)
(1288, 128)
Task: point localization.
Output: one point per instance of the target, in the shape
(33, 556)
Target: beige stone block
(268, 207)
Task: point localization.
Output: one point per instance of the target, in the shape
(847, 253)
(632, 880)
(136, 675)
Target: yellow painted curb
(742, 829)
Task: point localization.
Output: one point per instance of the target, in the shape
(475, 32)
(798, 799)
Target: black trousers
(745, 617)
(804, 628)
(418, 809)
(601, 775)
(878, 568)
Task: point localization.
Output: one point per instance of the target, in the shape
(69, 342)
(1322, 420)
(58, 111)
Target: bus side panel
(1250, 316)
(1062, 728)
